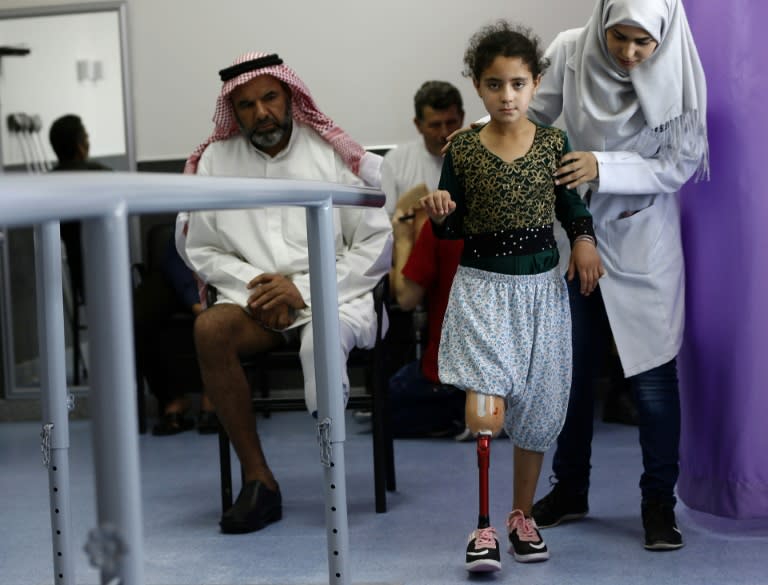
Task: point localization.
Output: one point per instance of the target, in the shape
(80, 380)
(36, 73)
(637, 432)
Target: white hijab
(666, 94)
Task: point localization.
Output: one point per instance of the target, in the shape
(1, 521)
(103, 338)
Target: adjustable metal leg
(330, 402)
(53, 386)
(115, 546)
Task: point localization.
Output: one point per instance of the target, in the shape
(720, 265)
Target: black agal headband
(253, 64)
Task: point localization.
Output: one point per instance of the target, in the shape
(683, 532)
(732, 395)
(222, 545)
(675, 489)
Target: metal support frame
(104, 201)
(53, 386)
(330, 405)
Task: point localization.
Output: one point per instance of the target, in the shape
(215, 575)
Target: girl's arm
(445, 207)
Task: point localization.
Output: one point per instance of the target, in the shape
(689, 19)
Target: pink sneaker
(483, 551)
(525, 541)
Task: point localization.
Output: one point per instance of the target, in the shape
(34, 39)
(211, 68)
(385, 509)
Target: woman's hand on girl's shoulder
(438, 205)
(455, 133)
(577, 168)
(586, 262)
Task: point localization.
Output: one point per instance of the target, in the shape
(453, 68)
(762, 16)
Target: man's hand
(438, 205)
(585, 260)
(279, 318)
(576, 168)
(272, 290)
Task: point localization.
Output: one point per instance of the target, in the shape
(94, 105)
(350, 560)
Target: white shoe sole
(483, 566)
(531, 558)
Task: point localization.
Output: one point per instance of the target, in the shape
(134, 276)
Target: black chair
(74, 296)
(259, 367)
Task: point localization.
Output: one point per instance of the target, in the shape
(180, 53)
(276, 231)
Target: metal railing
(104, 201)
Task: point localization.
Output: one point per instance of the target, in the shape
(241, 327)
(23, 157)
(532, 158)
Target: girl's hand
(576, 168)
(586, 261)
(438, 205)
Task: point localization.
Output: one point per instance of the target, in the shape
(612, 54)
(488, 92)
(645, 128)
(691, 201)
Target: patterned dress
(507, 329)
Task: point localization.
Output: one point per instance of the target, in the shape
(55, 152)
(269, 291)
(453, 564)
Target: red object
(432, 265)
(483, 463)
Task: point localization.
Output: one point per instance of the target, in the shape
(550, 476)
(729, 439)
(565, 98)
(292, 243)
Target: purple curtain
(724, 361)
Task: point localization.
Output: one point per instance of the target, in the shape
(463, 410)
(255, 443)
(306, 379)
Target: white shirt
(405, 167)
(229, 248)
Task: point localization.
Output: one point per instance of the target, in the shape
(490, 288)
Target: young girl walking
(506, 337)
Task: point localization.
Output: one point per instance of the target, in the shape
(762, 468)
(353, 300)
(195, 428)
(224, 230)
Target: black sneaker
(483, 551)
(525, 541)
(558, 506)
(661, 531)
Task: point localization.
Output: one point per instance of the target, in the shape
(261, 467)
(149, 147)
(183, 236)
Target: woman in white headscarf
(632, 93)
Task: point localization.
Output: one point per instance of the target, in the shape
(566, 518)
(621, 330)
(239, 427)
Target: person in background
(69, 140)
(439, 111)
(165, 292)
(422, 272)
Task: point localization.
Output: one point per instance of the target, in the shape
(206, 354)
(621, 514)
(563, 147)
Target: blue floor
(420, 540)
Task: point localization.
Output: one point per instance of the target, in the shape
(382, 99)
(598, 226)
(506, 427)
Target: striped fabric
(304, 110)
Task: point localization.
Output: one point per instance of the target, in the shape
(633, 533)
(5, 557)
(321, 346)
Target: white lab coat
(643, 288)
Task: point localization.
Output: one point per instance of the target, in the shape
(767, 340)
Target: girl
(506, 335)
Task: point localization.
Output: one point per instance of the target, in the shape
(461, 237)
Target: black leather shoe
(255, 507)
(172, 423)
(207, 423)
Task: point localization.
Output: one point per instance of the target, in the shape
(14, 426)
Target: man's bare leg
(222, 334)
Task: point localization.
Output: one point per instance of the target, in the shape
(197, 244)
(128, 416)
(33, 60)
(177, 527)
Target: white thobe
(407, 166)
(229, 248)
(643, 288)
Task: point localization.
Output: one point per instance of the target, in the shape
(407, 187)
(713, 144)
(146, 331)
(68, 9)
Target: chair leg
(76, 345)
(225, 463)
(390, 454)
(141, 404)
(379, 459)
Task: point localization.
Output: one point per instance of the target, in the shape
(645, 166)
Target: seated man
(439, 113)
(267, 125)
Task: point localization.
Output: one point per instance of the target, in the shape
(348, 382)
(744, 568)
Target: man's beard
(262, 140)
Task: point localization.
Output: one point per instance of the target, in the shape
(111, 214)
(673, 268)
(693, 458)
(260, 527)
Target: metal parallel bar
(330, 399)
(53, 394)
(104, 201)
(115, 546)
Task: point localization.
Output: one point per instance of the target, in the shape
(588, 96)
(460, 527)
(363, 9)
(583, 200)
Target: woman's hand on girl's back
(438, 205)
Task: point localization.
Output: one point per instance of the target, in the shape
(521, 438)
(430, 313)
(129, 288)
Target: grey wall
(362, 60)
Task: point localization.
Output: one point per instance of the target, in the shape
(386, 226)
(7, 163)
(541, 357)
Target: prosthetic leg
(483, 464)
(485, 417)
